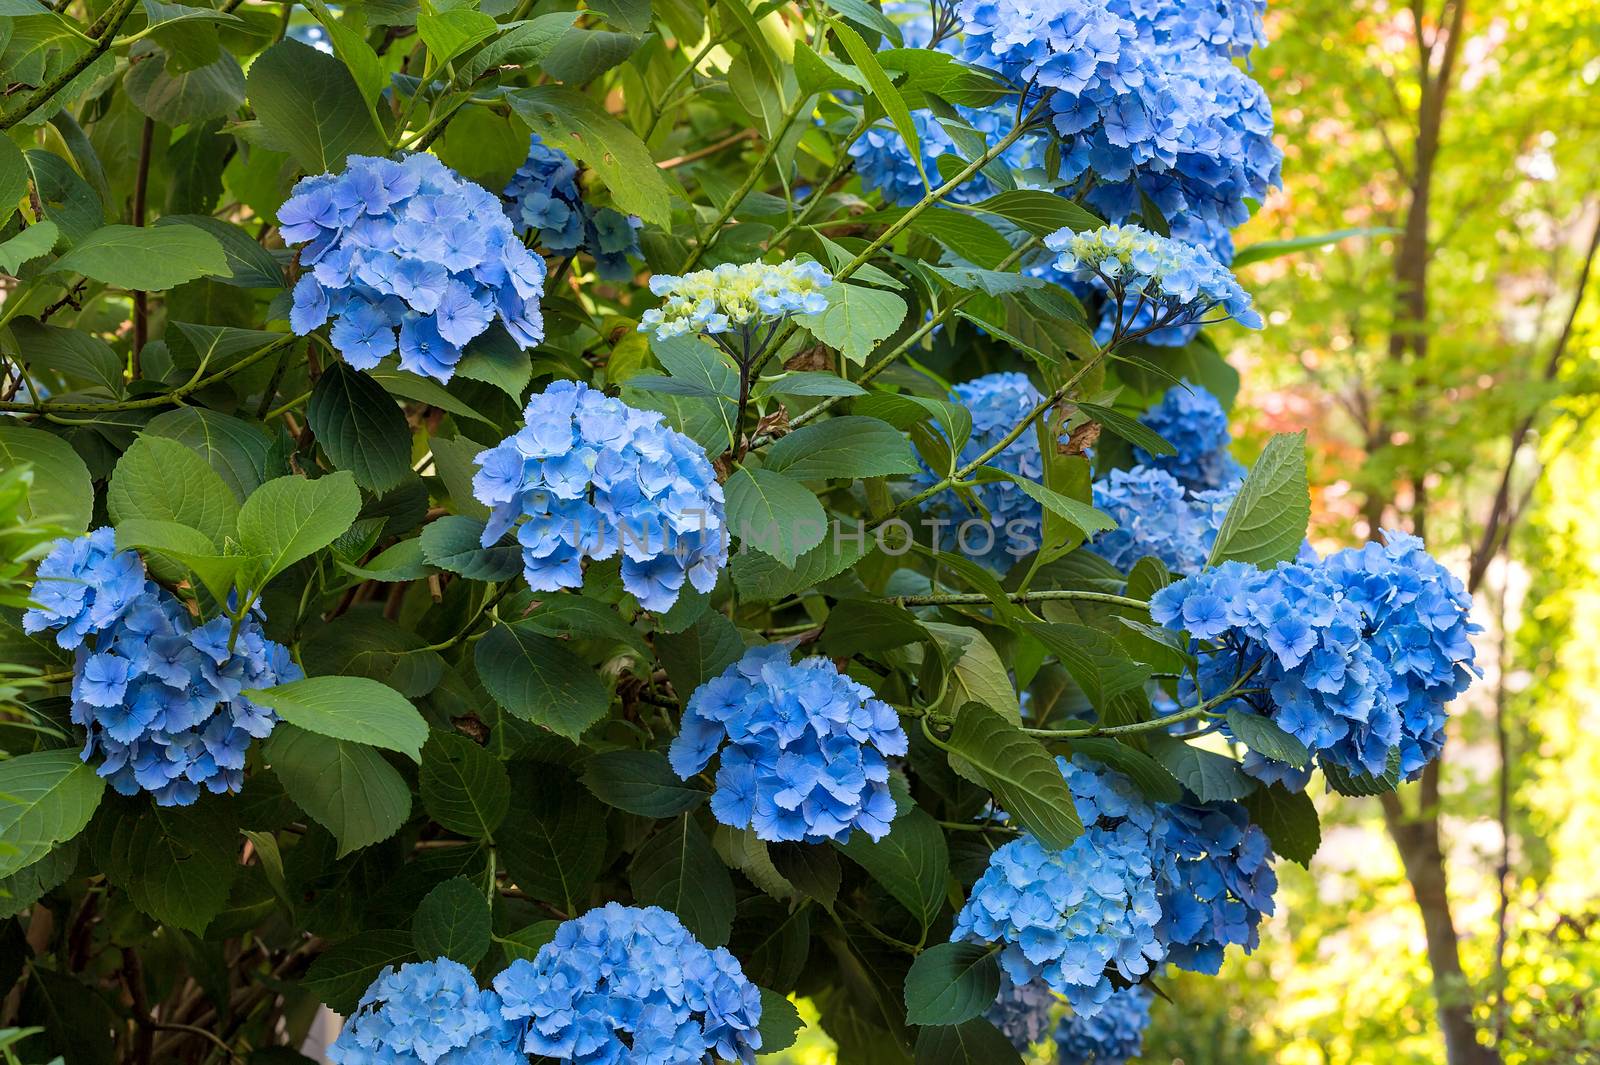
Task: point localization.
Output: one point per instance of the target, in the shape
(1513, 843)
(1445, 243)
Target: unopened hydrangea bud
(729, 298)
(804, 749)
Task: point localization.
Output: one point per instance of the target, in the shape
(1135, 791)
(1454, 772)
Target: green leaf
(581, 55)
(1211, 776)
(774, 514)
(868, 626)
(856, 319)
(360, 427)
(311, 107)
(1264, 736)
(700, 652)
(1289, 818)
(250, 265)
(149, 259)
(764, 577)
(1266, 523)
(160, 479)
(974, 1042)
(20, 890)
(640, 782)
(288, 518)
(453, 543)
(171, 548)
(883, 92)
(464, 787)
(1022, 776)
(677, 870)
(162, 86)
(407, 385)
(808, 383)
(1097, 663)
(525, 942)
(452, 922)
(45, 799)
(451, 31)
(564, 614)
(813, 870)
(912, 863)
(583, 130)
(1153, 779)
(346, 787)
(236, 449)
(1039, 212)
(357, 709)
(32, 242)
(13, 187)
(176, 863)
(524, 46)
(1080, 515)
(851, 447)
(1347, 782)
(1132, 430)
(554, 840)
(66, 199)
(1272, 249)
(342, 973)
(366, 69)
(535, 678)
(952, 982)
(62, 493)
(780, 1022)
(369, 645)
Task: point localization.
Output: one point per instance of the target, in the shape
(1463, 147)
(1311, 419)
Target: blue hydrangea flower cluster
(1318, 675)
(627, 984)
(1064, 917)
(407, 253)
(732, 299)
(1022, 1012)
(1419, 627)
(545, 202)
(428, 1013)
(997, 402)
(1156, 515)
(883, 158)
(806, 757)
(1222, 882)
(589, 477)
(1225, 27)
(158, 695)
(1192, 420)
(1111, 1036)
(1154, 282)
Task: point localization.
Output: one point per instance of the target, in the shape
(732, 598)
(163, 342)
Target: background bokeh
(1447, 369)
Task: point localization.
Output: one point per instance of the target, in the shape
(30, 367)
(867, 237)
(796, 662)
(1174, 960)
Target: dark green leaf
(454, 543)
(1132, 430)
(640, 782)
(587, 133)
(1264, 736)
(553, 841)
(851, 447)
(974, 1042)
(1211, 776)
(1347, 782)
(1289, 818)
(177, 863)
(699, 652)
(236, 449)
(62, 493)
(249, 264)
(73, 353)
(464, 787)
(814, 870)
(145, 259)
(452, 922)
(1154, 780)
(311, 107)
(1019, 772)
(535, 678)
(952, 982)
(677, 870)
(780, 1022)
(342, 974)
(346, 787)
(1039, 212)
(357, 709)
(911, 862)
(774, 514)
(45, 799)
(360, 427)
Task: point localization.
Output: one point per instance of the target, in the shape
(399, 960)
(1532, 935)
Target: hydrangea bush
(549, 527)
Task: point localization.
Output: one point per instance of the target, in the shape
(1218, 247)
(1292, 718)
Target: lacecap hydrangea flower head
(735, 298)
(589, 477)
(1111, 1036)
(1153, 281)
(1063, 918)
(803, 749)
(1219, 886)
(1418, 617)
(1157, 516)
(159, 696)
(1192, 420)
(628, 984)
(428, 1013)
(997, 402)
(545, 202)
(407, 254)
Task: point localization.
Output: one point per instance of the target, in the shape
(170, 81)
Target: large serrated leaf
(1266, 523)
(678, 870)
(45, 799)
(360, 427)
(952, 982)
(1019, 772)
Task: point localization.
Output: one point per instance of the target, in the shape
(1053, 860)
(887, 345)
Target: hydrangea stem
(979, 599)
(112, 22)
